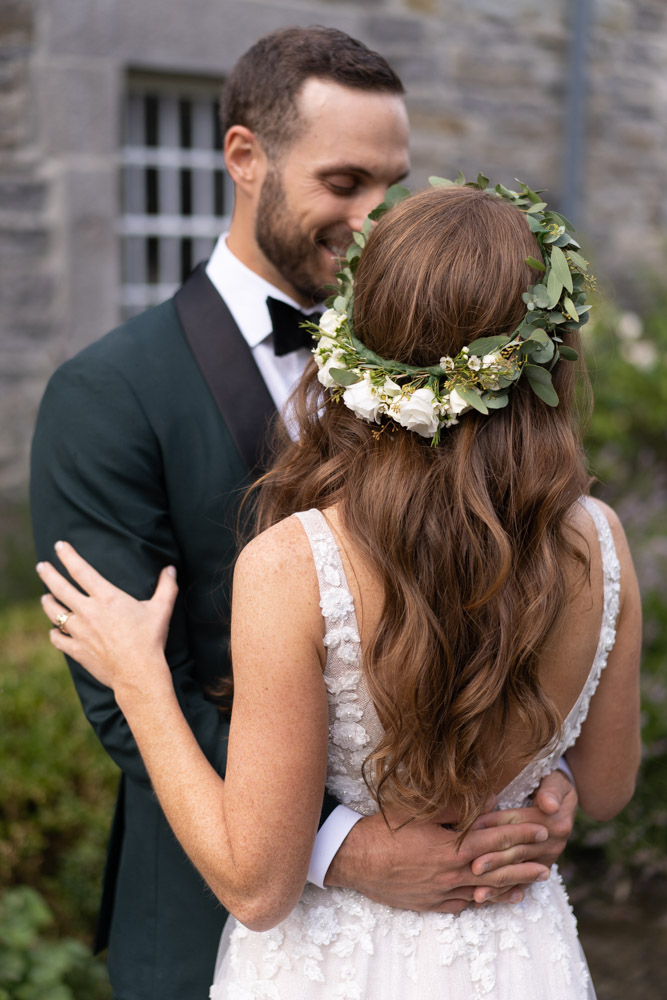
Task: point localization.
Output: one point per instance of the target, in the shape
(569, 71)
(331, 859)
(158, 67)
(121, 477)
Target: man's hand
(418, 866)
(554, 807)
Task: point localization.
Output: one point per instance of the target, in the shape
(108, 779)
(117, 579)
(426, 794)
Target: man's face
(352, 146)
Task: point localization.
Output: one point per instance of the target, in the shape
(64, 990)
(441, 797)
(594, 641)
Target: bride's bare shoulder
(279, 556)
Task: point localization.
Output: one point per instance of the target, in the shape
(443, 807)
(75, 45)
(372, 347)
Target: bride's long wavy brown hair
(470, 538)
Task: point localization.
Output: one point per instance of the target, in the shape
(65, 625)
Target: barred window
(176, 195)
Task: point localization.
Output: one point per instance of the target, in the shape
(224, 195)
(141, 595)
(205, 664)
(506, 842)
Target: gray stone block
(93, 255)
(389, 31)
(79, 108)
(22, 195)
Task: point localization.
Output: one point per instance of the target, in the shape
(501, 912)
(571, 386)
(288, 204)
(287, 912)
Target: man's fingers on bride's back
(515, 874)
(482, 845)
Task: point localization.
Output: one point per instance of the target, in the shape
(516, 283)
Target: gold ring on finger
(61, 621)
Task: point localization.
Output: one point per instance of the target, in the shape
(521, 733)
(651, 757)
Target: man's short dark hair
(261, 91)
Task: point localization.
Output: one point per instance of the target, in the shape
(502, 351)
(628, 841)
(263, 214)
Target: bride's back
(476, 574)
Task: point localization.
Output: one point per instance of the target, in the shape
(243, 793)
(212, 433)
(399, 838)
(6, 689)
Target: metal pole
(581, 20)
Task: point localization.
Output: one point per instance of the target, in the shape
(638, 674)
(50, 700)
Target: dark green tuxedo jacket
(135, 464)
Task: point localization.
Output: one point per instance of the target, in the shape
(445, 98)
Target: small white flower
(418, 412)
(330, 321)
(363, 399)
(456, 403)
(390, 388)
(474, 363)
(490, 360)
(447, 363)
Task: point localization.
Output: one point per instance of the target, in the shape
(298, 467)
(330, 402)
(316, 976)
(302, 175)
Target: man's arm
(418, 866)
(97, 481)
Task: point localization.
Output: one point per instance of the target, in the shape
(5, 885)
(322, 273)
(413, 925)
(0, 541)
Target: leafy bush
(33, 967)
(57, 785)
(627, 448)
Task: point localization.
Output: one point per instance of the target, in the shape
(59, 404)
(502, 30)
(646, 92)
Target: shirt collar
(244, 291)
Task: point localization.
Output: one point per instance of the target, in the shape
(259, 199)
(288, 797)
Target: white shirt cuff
(565, 768)
(329, 837)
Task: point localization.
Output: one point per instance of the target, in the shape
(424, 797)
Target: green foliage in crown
(428, 399)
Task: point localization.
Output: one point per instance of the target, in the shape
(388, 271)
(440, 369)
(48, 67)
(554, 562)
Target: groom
(144, 444)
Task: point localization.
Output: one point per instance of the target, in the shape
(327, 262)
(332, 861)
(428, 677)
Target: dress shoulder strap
(611, 584)
(336, 601)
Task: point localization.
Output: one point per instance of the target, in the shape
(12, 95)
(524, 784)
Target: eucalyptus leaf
(560, 268)
(359, 239)
(552, 237)
(344, 377)
(540, 383)
(495, 402)
(367, 227)
(482, 182)
(472, 398)
(578, 260)
(543, 353)
(554, 289)
(567, 353)
(340, 304)
(538, 206)
(537, 264)
(534, 224)
(460, 178)
(378, 212)
(538, 336)
(569, 307)
(353, 251)
(438, 182)
(396, 193)
(487, 345)
(561, 220)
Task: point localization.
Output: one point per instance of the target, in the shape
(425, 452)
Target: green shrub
(35, 967)
(627, 448)
(57, 785)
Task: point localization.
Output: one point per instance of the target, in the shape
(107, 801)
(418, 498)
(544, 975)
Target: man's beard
(293, 254)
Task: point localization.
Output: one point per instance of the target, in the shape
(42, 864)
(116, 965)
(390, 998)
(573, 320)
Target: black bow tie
(288, 334)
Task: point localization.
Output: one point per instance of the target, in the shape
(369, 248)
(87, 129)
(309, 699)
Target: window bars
(176, 196)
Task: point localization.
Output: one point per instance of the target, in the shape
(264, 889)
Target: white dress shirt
(245, 293)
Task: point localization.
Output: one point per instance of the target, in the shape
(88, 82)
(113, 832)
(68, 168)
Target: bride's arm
(250, 835)
(606, 756)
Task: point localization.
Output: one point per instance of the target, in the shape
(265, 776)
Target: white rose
(456, 403)
(326, 344)
(324, 374)
(418, 412)
(331, 320)
(362, 398)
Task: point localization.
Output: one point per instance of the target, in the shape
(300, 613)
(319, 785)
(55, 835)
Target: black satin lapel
(227, 364)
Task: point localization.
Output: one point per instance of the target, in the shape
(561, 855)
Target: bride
(432, 611)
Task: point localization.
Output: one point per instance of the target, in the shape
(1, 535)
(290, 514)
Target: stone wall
(488, 88)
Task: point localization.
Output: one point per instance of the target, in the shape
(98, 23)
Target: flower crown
(426, 399)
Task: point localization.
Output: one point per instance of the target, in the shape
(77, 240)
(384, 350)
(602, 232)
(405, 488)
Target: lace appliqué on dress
(354, 727)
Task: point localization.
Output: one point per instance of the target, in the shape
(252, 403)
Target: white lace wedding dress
(338, 944)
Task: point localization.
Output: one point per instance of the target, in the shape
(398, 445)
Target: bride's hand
(118, 639)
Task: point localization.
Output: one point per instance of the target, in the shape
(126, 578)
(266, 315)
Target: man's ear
(244, 158)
